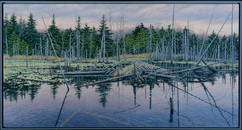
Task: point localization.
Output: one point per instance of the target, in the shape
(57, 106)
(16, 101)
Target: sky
(197, 16)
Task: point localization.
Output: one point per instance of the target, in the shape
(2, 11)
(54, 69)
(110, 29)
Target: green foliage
(19, 35)
(13, 27)
(67, 39)
(212, 38)
(55, 34)
(103, 28)
(30, 34)
(16, 45)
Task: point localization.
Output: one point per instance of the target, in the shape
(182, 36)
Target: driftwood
(36, 80)
(140, 70)
(83, 73)
(90, 75)
(108, 80)
(185, 70)
(162, 75)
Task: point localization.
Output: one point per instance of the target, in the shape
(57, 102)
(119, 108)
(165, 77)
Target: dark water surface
(120, 105)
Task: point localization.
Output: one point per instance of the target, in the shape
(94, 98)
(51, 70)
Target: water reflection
(54, 87)
(103, 90)
(13, 91)
(150, 97)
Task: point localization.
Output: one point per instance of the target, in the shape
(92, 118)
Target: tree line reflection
(13, 91)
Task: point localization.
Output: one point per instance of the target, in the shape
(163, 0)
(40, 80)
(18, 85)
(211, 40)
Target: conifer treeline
(21, 37)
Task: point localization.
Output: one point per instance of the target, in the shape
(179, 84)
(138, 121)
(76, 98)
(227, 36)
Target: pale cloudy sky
(155, 14)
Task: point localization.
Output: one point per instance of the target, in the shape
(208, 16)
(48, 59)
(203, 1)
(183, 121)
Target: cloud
(156, 14)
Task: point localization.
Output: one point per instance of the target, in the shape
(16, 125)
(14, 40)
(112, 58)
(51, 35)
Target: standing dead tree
(123, 32)
(232, 37)
(149, 44)
(40, 45)
(47, 49)
(6, 41)
(172, 35)
(78, 44)
(186, 44)
(26, 56)
(102, 53)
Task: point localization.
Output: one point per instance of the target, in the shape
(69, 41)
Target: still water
(119, 104)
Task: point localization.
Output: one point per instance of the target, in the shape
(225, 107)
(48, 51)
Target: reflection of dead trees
(78, 92)
(150, 97)
(214, 101)
(171, 109)
(199, 98)
(178, 110)
(208, 93)
(233, 80)
(134, 91)
(213, 105)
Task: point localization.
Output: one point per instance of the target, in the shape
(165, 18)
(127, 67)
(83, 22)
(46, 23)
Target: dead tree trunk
(70, 48)
(26, 56)
(117, 50)
(218, 49)
(185, 45)
(172, 42)
(18, 45)
(149, 45)
(103, 47)
(78, 44)
(47, 49)
(40, 45)
(6, 42)
(232, 37)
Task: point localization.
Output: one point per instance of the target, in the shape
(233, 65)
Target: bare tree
(47, 49)
(78, 44)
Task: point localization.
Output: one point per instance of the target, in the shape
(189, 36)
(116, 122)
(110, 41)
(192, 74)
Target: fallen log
(36, 80)
(108, 80)
(70, 76)
(83, 73)
(185, 70)
(162, 75)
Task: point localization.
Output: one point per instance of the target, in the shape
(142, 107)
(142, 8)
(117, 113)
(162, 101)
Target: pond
(120, 104)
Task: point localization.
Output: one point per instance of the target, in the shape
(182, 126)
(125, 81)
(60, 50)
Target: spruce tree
(22, 27)
(31, 35)
(103, 28)
(211, 38)
(54, 32)
(94, 42)
(13, 27)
